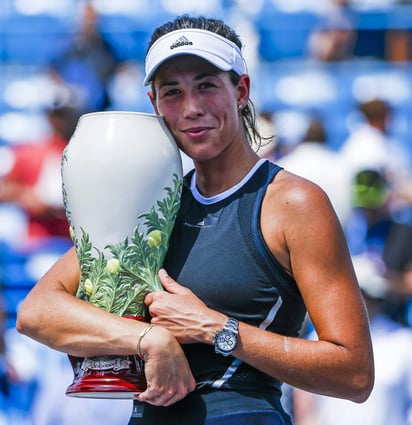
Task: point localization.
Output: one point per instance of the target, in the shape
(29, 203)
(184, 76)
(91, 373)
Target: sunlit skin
(200, 104)
(201, 107)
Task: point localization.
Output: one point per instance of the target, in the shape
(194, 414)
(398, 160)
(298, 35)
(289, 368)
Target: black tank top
(217, 250)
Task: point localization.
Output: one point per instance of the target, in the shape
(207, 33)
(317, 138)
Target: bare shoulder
(294, 209)
(290, 193)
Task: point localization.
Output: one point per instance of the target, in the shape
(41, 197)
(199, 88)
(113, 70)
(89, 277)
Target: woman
(253, 247)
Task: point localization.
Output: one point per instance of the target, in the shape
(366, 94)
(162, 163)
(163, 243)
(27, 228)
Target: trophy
(122, 180)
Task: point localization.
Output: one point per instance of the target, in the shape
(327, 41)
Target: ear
(152, 98)
(243, 89)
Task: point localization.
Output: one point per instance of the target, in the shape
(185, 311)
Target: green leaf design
(121, 290)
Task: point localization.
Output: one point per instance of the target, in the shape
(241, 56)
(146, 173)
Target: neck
(216, 176)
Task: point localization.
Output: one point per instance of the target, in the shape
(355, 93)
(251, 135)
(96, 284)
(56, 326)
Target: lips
(196, 131)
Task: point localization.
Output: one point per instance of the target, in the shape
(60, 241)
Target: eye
(206, 85)
(169, 92)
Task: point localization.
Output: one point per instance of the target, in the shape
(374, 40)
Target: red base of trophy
(107, 376)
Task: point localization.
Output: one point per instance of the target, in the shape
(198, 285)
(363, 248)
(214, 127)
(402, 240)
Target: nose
(192, 107)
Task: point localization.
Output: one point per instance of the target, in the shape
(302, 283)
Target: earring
(240, 107)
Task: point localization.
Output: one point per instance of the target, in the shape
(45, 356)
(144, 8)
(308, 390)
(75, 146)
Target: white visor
(217, 50)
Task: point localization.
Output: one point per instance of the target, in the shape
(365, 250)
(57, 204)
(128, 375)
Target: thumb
(170, 284)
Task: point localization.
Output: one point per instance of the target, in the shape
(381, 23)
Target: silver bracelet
(145, 331)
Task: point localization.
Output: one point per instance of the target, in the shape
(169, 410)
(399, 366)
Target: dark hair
(219, 27)
(316, 132)
(375, 110)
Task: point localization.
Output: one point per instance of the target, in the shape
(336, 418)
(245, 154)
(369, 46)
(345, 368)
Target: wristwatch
(226, 339)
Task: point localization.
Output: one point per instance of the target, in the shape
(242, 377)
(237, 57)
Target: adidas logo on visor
(181, 41)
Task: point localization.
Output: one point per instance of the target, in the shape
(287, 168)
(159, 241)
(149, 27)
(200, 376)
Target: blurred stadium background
(289, 80)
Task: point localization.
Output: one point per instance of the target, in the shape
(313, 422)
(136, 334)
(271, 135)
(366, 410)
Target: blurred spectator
(369, 145)
(398, 45)
(314, 160)
(334, 39)
(89, 64)
(34, 181)
(374, 229)
(370, 219)
(391, 399)
(397, 256)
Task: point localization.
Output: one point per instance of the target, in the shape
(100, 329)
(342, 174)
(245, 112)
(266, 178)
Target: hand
(168, 375)
(180, 311)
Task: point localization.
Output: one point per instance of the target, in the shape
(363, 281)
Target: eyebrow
(197, 78)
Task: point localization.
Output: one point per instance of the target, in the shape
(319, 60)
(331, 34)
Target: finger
(170, 284)
(148, 299)
(147, 397)
(143, 397)
(158, 399)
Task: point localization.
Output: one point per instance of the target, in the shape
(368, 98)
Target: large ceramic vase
(122, 177)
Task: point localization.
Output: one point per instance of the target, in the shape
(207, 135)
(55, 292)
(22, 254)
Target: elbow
(26, 321)
(21, 325)
(364, 391)
(356, 380)
(362, 385)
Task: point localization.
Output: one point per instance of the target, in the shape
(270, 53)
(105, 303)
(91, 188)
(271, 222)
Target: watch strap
(232, 325)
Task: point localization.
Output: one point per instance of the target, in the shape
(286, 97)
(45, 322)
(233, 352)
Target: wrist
(156, 342)
(216, 322)
(226, 339)
(144, 332)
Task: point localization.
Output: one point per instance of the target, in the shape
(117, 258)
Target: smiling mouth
(196, 131)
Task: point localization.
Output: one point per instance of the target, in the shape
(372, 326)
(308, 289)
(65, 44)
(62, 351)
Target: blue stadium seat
(322, 89)
(129, 35)
(125, 36)
(283, 35)
(33, 39)
(372, 25)
(20, 269)
(14, 281)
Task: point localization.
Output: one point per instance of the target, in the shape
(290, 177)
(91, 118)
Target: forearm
(316, 366)
(73, 326)
(60, 320)
(52, 315)
(339, 365)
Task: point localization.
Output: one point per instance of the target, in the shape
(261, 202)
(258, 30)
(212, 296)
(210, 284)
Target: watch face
(226, 341)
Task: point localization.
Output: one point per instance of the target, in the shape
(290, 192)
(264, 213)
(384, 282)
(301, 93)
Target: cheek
(169, 112)
(222, 110)
(171, 118)
(229, 115)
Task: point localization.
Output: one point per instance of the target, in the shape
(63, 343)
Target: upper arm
(323, 270)
(306, 232)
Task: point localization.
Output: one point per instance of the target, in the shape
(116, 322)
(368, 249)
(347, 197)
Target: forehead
(185, 64)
